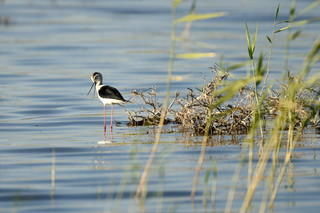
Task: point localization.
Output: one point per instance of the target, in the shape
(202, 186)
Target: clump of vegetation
(151, 110)
(226, 119)
(191, 111)
(306, 109)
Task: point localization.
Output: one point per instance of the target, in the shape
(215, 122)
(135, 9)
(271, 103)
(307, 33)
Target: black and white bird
(108, 95)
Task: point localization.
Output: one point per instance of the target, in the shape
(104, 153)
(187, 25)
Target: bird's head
(96, 79)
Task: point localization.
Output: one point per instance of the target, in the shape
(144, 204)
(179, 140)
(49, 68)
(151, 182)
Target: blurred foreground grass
(273, 119)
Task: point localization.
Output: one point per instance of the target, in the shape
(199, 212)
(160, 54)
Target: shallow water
(50, 158)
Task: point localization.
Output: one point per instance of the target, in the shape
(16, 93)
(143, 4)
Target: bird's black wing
(110, 92)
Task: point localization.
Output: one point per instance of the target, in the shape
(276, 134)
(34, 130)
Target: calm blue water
(50, 158)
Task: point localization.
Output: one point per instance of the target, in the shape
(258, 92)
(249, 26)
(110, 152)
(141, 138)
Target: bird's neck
(98, 85)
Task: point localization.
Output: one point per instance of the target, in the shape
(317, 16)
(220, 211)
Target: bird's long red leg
(104, 122)
(111, 118)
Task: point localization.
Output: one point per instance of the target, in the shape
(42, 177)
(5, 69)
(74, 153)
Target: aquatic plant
(270, 117)
(232, 105)
(151, 110)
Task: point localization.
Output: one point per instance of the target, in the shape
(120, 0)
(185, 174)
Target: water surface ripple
(50, 158)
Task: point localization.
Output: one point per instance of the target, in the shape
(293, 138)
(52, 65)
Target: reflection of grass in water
(294, 107)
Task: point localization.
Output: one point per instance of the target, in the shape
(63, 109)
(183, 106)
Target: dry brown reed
(151, 110)
(231, 118)
(228, 119)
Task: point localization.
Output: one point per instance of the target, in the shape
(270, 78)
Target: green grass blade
(277, 12)
(255, 36)
(260, 70)
(292, 11)
(295, 35)
(281, 29)
(229, 91)
(248, 34)
(298, 24)
(250, 52)
(236, 66)
(310, 7)
(197, 17)
(195, 55)
(269, 39)
(176, 3)
(315, 51)
(251, 42)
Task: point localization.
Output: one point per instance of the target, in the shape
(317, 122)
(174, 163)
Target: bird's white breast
(109, 101)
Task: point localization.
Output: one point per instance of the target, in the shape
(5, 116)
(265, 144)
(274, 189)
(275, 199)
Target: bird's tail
(128, 101)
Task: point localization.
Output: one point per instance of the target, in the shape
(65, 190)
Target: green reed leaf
(292, 11)
(310, 7)
(251, 42)
(295, 35)
(260, 70)
(269, 39)
(236, 66)
(195, 55)
(197, 17)
(298, 23)
(277, 12)
(315, 51)
(229, 91)
(176, 3)
(281, 29)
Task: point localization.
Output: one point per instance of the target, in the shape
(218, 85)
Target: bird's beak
(91, 88)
